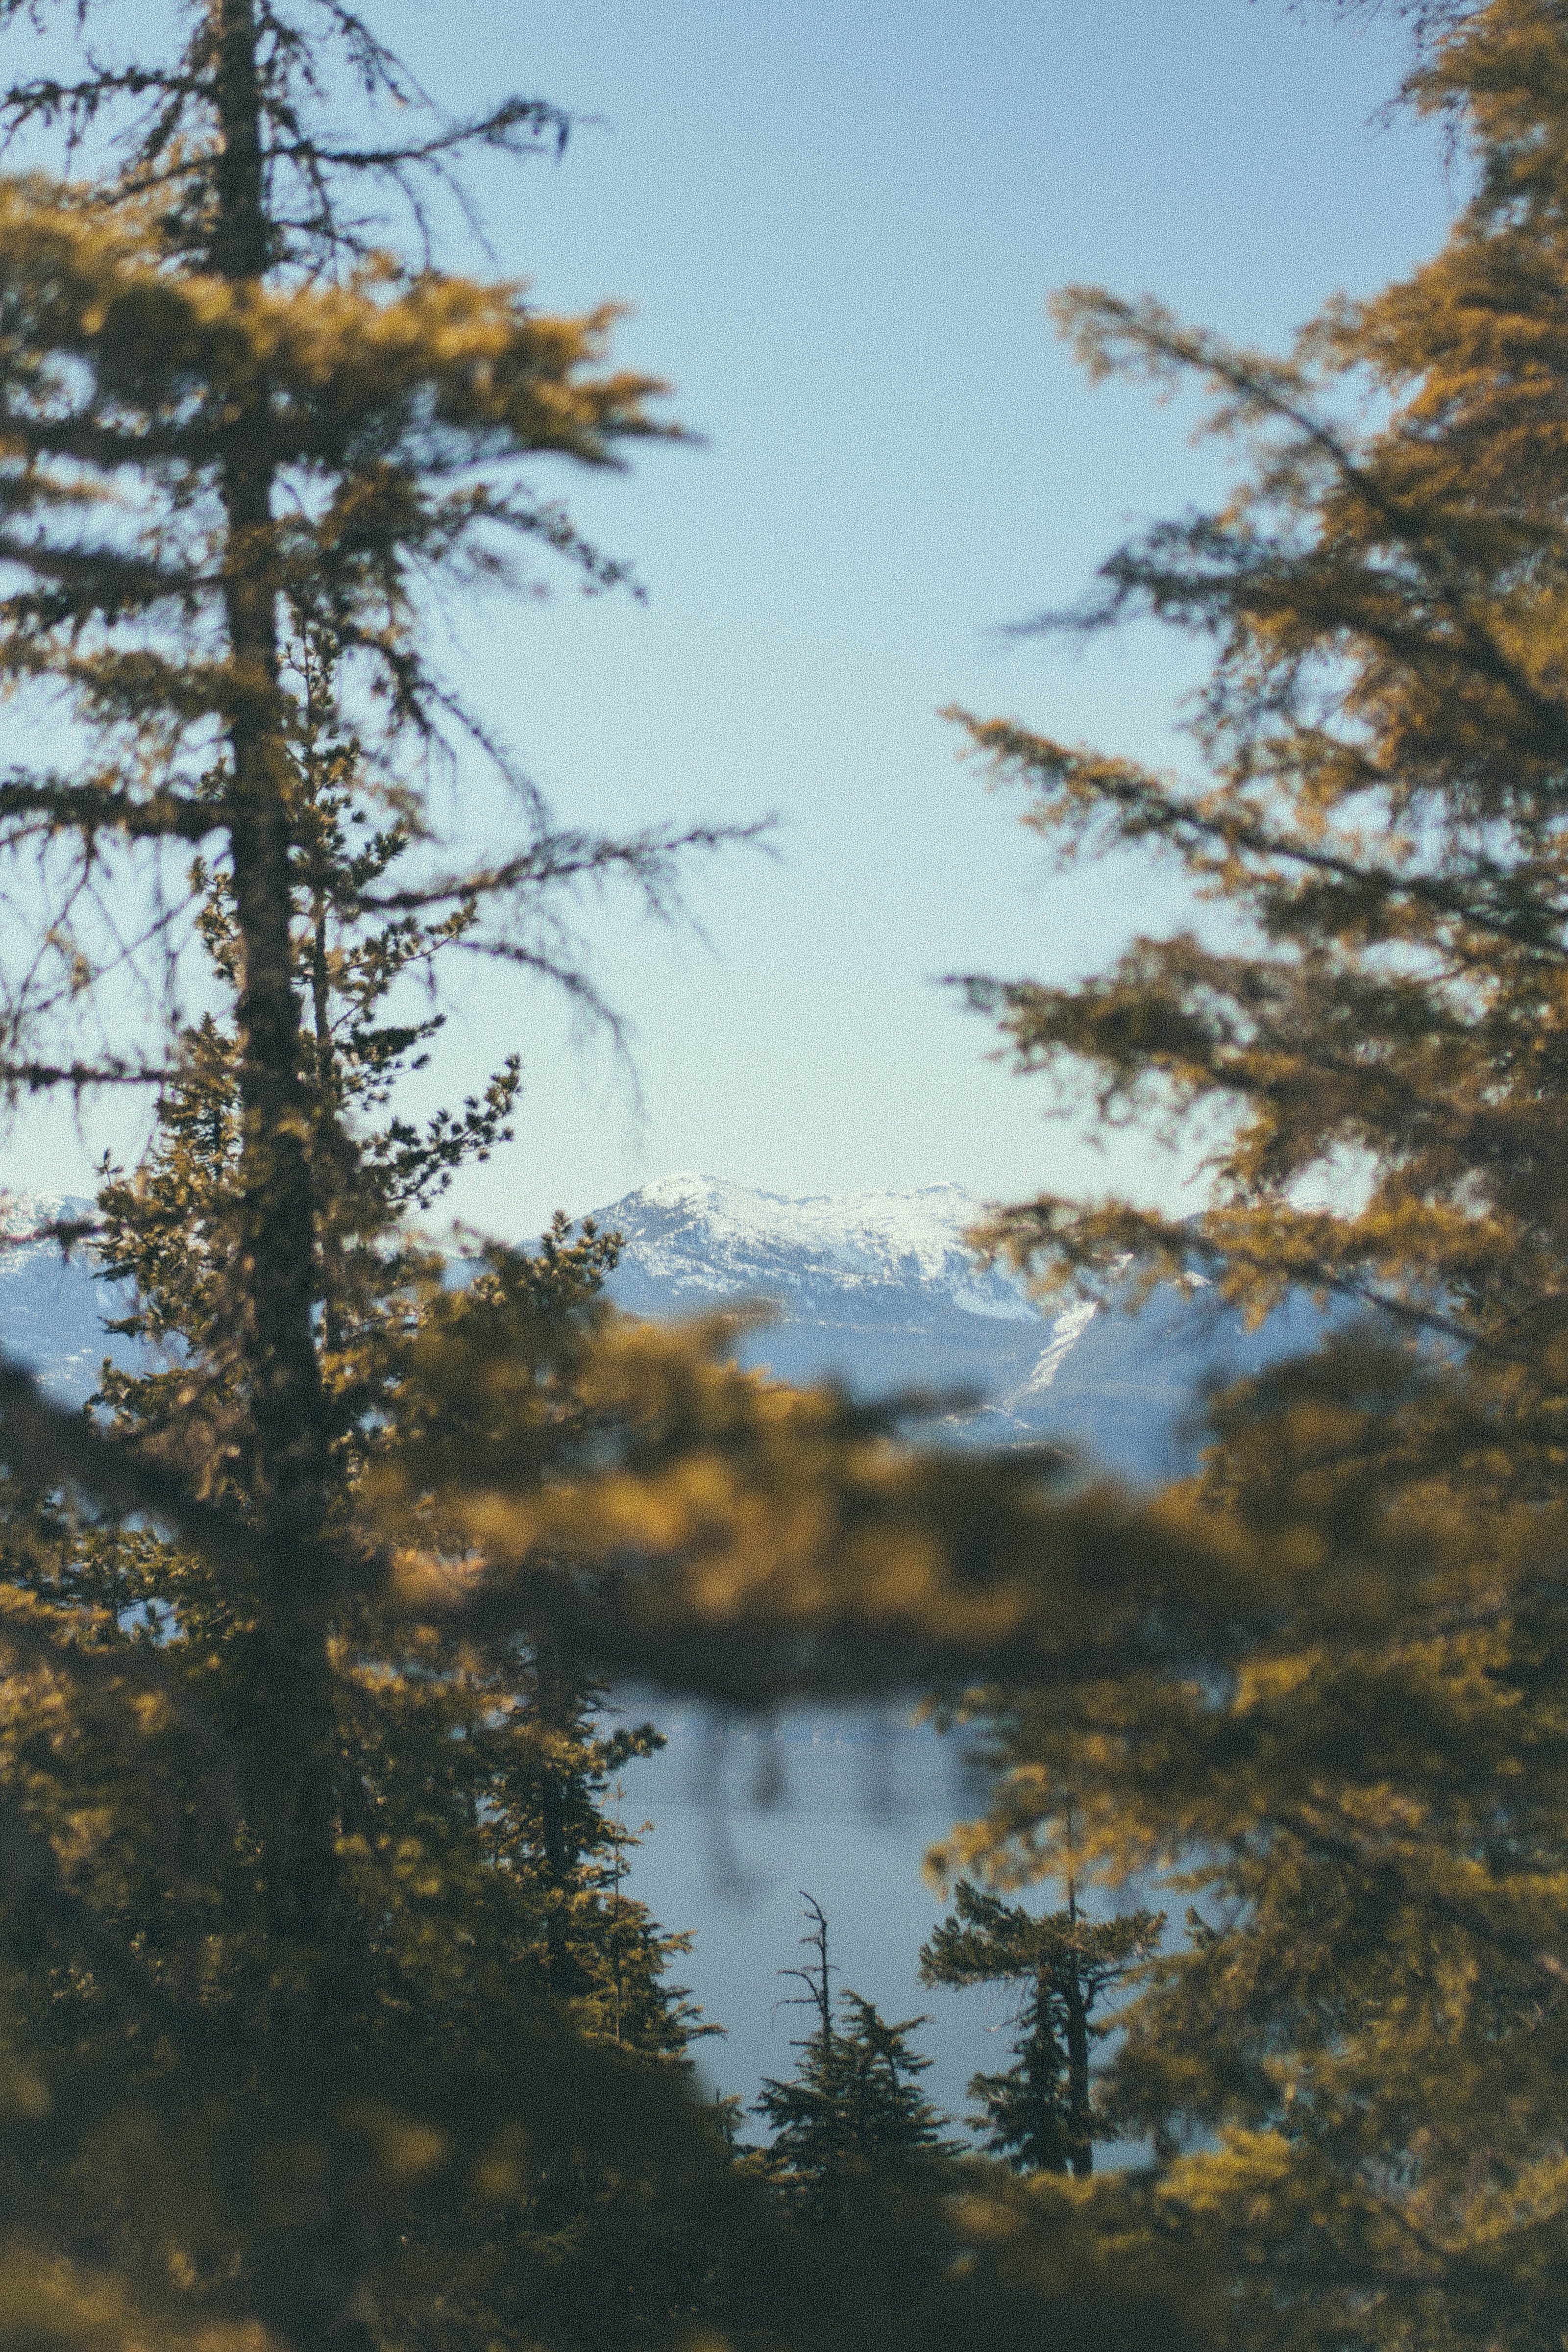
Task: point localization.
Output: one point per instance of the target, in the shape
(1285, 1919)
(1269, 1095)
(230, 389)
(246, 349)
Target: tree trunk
(555, 1710)
(1080, 2142)
(293, 1744)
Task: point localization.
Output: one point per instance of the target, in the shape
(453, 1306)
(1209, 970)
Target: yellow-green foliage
(628, 1486)
(1351, 2072)
(394, 401)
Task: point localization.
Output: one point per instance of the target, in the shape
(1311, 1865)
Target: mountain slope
(52, 1307)
(880, 1289)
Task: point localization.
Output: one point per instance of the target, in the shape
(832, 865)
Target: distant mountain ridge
(52, 1306)
(697, 1237)
(882, 1290)
(878, 1288)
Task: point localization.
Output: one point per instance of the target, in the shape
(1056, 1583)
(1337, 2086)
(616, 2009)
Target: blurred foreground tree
(1359, 1770)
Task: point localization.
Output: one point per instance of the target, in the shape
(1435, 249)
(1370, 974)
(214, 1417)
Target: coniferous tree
(308, 425)
(1041, 2113)
(853, 2117)
(235, 438)
(1353, 1752)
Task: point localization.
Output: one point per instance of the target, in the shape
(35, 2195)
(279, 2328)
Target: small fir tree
(853, 2115)
(1041, 2113)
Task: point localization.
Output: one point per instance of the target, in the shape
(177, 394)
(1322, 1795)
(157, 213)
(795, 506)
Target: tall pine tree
(276, 1866)
(1352, 1754)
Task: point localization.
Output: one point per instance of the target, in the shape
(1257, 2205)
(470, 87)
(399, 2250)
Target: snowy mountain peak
(52, 1307)
(878, 1288)
(704, 1239)
(23, 1214)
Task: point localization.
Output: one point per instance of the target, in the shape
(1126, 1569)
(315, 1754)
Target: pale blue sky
(837, 223)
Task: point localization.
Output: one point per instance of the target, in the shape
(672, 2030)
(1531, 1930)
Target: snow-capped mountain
(53, 1307)
(693, 1237)
(881, 1288)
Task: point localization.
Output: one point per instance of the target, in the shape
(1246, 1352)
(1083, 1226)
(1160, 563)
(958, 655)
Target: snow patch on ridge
(23, 1214)
(1066, 1332)
(704, 1237)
